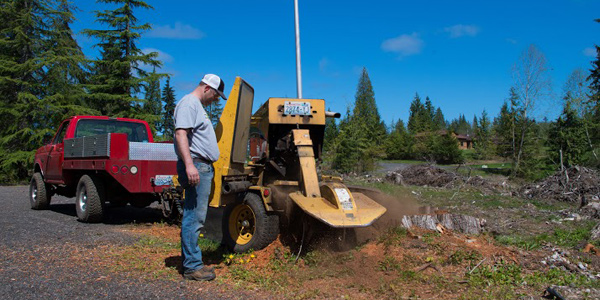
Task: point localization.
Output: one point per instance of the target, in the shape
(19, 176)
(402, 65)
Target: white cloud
(460, 30)
(179, 31)
(162, 56)
(404, 45)
(511, 41)
(591, 52)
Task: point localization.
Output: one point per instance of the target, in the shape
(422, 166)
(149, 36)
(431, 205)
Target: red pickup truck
(102, 159)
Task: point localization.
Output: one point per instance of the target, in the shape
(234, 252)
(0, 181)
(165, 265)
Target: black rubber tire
(91, 208)
(266, 226)
(39, 196)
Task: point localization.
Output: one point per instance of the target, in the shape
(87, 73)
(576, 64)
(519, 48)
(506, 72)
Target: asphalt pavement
(36, 250)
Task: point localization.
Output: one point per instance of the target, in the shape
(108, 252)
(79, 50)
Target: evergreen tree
(532, 153)
(444, 149)
(361, 133)
(23, 113)
(330, 135)
(567, 139)
(428, 114)
(167, 123)
(152, 101)
(359, 142)
(348, 146)
(483, 143)
(460, 125)
(439, 122)
(415, 117)
(118, 76)
(594, 79)
(502, 131)
(365, 110)
(400, 142)
(593, 123)
(214, 111)
(66, 68)
(40, 67)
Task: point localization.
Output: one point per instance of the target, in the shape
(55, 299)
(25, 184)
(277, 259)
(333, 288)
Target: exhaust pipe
(331, 114)
(235, 186)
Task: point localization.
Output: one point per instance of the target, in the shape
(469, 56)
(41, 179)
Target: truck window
(136, 132)
(61, 133)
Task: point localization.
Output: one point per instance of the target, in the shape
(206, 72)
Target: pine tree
(214, 111)
(567, 139)
(118, 76)
(330, 135)
(399, 144)
(348, 145)
(439, 122)
(167, 123)
(152, 102)
(362, 133)
(593, 123)
(483, 143)
(365, 109)
(415, 117)
(66, 68)
(460, 125)
(24, 114)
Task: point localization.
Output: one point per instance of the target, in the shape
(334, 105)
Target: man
(196, 147)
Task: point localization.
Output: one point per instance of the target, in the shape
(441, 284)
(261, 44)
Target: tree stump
(454, 222)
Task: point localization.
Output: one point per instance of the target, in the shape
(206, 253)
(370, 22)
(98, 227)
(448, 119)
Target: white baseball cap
(216, 83)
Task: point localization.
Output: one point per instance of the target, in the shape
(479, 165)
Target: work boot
(204, 274)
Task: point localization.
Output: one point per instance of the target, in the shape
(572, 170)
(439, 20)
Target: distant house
(465, 142)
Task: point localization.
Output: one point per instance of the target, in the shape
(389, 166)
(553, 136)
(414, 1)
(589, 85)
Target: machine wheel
(90, 199)
(39, 196)
(246, 225)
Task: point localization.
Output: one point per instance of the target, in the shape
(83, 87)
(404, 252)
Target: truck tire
(246, 225)
(39, 196)
(89, 201)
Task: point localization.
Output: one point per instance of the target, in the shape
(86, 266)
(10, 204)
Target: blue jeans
(194, 213)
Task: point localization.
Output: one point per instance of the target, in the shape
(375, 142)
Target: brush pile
(429, 175)
(576, 184)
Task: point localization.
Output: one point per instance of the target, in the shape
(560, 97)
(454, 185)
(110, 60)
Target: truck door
(56, 154)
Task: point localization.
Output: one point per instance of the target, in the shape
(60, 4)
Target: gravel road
(36, 248)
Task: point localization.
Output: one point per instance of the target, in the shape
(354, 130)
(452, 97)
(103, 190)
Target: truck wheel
(246, 225)
(39, 198)
(90, 199)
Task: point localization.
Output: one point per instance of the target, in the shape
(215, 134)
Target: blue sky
(458, 53)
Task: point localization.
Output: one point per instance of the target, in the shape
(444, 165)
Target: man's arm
(184, 151)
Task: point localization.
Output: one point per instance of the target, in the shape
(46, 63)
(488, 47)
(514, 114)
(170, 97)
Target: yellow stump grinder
(267, 176)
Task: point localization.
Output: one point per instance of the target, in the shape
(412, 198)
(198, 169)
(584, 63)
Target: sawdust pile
(576, 184)
(429, 175)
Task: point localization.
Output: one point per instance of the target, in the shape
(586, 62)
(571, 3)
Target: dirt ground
(390, 262)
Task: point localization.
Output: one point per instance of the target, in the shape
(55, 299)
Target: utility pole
(298, 65)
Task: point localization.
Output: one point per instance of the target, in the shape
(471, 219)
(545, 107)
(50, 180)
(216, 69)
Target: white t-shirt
(189, 114)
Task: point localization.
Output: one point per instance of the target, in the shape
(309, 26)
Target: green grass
(512, 275)
(403, 161)
(564, 237)
(155, 242)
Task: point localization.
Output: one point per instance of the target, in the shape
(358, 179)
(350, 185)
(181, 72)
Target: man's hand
(192, 174)
(184, 152)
